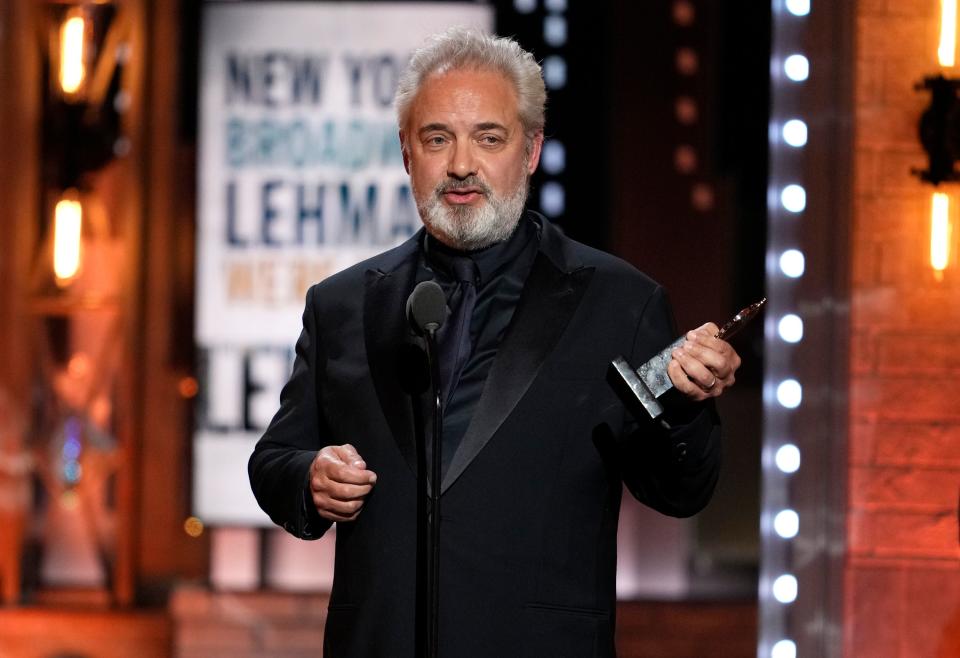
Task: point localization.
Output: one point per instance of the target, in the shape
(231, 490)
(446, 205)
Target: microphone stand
(433, 505)
(425, 312)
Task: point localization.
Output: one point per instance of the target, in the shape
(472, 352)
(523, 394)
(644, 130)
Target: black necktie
(455, 343)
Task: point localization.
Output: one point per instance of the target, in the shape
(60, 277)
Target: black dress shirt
(502, 270)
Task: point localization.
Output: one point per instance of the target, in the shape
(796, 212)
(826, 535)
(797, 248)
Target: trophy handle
(739, 321)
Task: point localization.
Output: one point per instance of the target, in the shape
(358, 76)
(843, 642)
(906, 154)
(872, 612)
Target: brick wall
(902, 594)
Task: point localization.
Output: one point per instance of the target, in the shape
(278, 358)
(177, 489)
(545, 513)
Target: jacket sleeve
(280, 464)
(671, 464)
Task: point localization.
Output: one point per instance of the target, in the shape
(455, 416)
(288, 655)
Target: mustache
(473, 181)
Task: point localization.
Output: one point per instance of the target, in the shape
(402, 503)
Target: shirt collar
(491, 260)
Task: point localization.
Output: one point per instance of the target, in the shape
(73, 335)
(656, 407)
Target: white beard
(469, 228)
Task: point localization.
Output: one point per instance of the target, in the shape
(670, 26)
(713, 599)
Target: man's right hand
(339, 482)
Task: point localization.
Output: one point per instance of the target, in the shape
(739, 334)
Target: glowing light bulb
(67, 221)
(552, 199)
(940, 233)
(795, 132)
(788, 458)
(792, 263)
(790, 328)
(798, 7)
(555, 30)
(72, 70)
(786, 523)
(193, 526)
(794, 198)
(789, 393)
(797, 68)
(785, 588)
(784, 649)
(946, 50)
(553, 157)
(555, 72)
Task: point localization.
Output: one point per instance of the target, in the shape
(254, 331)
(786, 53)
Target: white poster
(300, 176)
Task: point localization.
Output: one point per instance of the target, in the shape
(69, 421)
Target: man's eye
(436, 140)
(490, 139)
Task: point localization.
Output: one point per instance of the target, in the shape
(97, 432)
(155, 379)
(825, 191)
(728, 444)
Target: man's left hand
(704, 366)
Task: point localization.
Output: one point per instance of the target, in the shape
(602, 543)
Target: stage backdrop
(300, 176)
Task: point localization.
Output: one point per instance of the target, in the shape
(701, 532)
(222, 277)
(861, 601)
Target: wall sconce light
(71, 53)
(82, 107)
(940, 137)
(941, 233)
(67, 227)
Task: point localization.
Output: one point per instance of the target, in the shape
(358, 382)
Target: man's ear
(535, 145)
(403, 151)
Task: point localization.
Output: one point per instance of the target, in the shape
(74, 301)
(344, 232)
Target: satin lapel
(548, 301)
(388, 336)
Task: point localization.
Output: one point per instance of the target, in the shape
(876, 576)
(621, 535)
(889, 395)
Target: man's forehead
(486, 93)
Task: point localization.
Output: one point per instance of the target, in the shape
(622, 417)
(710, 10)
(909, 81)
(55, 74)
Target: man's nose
(462, 160)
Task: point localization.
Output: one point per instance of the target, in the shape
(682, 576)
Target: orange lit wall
(902, 589)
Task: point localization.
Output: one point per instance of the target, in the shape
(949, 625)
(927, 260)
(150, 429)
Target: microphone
(426, 307)
(426, 312)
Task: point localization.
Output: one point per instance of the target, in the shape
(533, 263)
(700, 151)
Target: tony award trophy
(650, 384)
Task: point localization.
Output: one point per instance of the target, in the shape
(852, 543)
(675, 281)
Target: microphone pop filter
(426, 307)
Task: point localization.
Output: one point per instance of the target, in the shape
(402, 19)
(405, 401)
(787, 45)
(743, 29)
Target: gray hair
(464, 48)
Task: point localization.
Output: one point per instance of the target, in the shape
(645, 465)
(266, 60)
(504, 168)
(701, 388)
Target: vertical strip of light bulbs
(941, 221)
(553, 198)
(783, 393)
(553, 157)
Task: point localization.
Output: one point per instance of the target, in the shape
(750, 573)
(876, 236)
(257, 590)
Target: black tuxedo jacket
(531, 499)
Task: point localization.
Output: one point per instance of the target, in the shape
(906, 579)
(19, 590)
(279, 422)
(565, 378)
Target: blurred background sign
(300, 176)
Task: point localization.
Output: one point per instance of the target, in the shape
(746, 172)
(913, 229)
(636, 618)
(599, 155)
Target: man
(536, 446)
